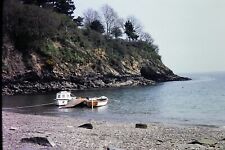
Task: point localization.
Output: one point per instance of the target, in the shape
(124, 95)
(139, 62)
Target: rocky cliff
(32, 73)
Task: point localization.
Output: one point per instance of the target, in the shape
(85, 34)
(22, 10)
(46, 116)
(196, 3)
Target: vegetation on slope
(32, 28)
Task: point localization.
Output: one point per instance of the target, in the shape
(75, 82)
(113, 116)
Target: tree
(79, 21)
(136, 24)
(120, 23)
(155, 48)
(144, 36)
(29, 26)
(129, 30)
(90, 15)
(97, 26)
(40, 3)
(65, 7)
(116, 32)
(110, 17)
(61, 6)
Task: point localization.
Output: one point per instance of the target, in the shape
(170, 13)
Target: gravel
(65, 133)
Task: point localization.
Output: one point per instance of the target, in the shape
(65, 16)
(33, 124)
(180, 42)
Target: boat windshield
(71, 95)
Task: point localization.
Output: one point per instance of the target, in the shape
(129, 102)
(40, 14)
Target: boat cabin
(64, 95)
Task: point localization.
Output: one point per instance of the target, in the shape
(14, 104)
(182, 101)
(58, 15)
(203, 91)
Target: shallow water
(200, 101)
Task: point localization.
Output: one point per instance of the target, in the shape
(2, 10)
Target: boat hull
(62, 102)
(74, 102)
(96, 103)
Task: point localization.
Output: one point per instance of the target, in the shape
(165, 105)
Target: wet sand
(64, 133)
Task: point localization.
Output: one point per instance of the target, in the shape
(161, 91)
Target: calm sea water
(200, 101)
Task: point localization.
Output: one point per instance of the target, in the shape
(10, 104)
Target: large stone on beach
(13, 128)
(38, 140)
(190, 147)
(86, 126)
(205, 142)
(223, 139)
(140, 125)
(112, 147)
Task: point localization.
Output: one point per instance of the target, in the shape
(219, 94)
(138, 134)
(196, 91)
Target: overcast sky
(190, 33)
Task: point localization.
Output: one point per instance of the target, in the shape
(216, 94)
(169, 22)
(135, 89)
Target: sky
(190, 33)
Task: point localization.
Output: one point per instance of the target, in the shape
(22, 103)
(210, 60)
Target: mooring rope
(29, 106)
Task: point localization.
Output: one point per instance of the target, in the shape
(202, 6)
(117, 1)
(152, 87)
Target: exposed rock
(119, 84)
(85, 82)
(13, 128)
(99, 83)
(38, 140)
(111, 147)
(161, 141)
(204, 141)
(190, 147)
(140, 125)
(159, 72)
(86, 125)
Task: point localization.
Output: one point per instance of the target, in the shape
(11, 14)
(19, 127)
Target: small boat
(96, 101)
(63, 98)
(74, 102)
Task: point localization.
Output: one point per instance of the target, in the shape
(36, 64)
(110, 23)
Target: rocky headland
(49, 52)
(42, 77)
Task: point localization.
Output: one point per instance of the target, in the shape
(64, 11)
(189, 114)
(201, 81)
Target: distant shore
(64, 133)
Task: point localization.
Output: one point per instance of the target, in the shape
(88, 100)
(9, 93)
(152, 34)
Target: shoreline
(65, 134)
(118, 120)
(13, 86)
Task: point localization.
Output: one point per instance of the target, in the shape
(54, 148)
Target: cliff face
(31, 72)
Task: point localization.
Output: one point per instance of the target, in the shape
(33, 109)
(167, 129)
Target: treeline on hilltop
(34, 25)
(113, 24)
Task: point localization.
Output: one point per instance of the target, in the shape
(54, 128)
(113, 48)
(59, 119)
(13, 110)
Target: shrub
(30, 25)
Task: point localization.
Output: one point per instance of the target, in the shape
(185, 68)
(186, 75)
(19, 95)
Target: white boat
(97, 101)
(63, 97)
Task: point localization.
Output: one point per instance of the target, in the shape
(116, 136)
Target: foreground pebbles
(22, 131)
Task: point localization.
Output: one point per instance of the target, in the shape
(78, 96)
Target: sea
(200, 101)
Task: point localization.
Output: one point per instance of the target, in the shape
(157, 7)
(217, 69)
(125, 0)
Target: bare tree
(120, 23)
(90, 15)
(144, 36)
(116, 32)
(110, 17)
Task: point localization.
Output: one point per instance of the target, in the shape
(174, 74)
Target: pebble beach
(65, 133)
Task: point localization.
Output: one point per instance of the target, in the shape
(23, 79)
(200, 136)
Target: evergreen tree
(65, 7)
(134, 36)
(129, 30)
(97, 26)
(79, 21)
(40, 3)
